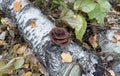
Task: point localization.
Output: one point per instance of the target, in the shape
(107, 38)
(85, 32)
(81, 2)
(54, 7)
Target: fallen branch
(35, 28)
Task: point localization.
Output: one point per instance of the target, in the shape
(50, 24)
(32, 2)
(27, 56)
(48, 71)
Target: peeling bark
(38, 39)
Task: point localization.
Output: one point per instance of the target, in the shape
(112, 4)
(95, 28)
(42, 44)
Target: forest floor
(16, 58)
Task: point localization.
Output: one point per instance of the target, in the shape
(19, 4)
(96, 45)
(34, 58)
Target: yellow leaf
(93, 41)
(117, 35)
(17, 6)
(55, 15)
(114, 40)
(86, 46)
(66, 57)
(111, 72)
(21, 50)
(28, 74)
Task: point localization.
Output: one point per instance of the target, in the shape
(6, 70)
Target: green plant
(94, 9)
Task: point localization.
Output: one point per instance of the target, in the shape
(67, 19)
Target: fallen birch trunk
(38, 39)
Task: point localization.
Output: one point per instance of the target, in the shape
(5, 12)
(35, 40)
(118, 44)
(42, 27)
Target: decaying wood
(38, 39)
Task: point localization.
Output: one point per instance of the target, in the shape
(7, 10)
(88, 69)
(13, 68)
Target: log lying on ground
(38, 39)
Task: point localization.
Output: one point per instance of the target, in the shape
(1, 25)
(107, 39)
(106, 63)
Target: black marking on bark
(28, 23)
(26, 7)
(44, 36)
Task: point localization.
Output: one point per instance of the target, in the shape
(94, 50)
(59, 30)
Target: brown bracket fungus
(60, 36)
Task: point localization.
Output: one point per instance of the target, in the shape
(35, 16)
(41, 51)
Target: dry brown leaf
(117, 35)
(111, 72)
(28, 74)
(93, 40)
(86, 46)
(55, 15)
(114, 40)
(17, 6)
(33, 24)
(2, 42)
(66, 57)
(33, 59)
(117, 13)
(21, 50)
(26, 66)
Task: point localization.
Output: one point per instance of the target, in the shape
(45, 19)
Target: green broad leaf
(37, 74)
(104, 5)
(82, 28)
(63, 4)
(77, 4)
(68, 17)
(84, 5)
(58, 2)
(6, 68)
(88, 7)
(77, 22)
(15, 47)
(15, 63)
(97, 14)
(12, 33)
(19, 63)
